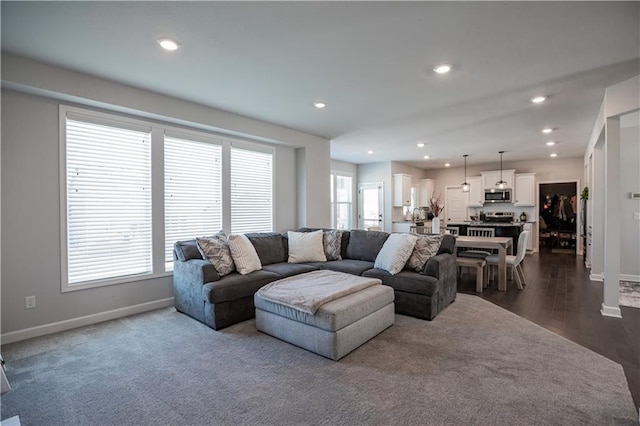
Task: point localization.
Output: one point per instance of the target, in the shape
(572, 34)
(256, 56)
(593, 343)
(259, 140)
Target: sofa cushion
(186, 250)
(235, 286)
(244, 254)
(426, 247)
(306, 247)
(332, 242)
(286, 269)
(349, 266)
(395, 252)
(216, 250)
(269, 246)
(407, 281)
(365, 245)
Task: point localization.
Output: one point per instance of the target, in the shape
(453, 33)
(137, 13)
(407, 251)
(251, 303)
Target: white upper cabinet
(489, 179)
(476, 192)
(426, 192)
(525, 190)
(401, 190)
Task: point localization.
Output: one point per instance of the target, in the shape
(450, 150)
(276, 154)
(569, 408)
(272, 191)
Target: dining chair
(374, 228)
(513, 262)
(478, 232)
(453, 230)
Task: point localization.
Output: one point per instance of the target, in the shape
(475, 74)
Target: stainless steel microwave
(497, 196)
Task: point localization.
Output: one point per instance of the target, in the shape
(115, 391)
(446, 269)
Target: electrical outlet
(636, 215)
(30, 302)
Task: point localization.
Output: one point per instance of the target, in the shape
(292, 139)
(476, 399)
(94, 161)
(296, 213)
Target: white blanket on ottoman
(307, 292)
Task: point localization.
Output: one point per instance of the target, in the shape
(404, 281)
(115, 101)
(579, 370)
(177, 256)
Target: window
(251, 190)
(192, 191)
(130, 188)
(108, 200)
(341, 204)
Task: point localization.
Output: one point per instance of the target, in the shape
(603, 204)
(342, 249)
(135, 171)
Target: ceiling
(371, 62)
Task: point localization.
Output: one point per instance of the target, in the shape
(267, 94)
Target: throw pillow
(216, 249)
(395, 252)
(426, 247)
(244, 254)
(332, 241)
(306, 247)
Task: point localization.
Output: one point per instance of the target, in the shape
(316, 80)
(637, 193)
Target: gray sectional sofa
(222, 301)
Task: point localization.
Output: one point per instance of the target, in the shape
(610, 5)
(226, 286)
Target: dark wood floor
(561, 298)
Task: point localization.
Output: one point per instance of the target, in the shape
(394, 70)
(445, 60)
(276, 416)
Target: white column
(610, 304)
(597, 202)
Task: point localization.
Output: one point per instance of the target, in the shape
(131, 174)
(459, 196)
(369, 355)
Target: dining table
(504, 245)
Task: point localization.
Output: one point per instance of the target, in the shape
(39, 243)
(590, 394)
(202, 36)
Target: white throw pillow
(306, 247)
(395, 252)
(244, 254)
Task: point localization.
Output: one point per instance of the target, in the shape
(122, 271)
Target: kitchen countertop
(486, 223)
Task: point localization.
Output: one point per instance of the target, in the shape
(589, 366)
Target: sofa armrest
(195, 271)
(188, 279)
(440, 266)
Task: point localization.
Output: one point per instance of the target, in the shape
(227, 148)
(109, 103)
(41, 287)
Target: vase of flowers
(436, 208)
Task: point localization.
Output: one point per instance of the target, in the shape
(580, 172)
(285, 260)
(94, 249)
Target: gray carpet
(474, 364)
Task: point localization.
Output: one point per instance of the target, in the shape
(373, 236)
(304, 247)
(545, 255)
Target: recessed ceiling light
(553, 155)
(551, 143)
(426, 157)
(319, 105)
(538, 99)
(420, 144)
(168, 44)
(447, 164)
(547, 130)
(370, 151)
(443, 68)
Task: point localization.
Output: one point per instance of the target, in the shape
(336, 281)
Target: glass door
(370, 205)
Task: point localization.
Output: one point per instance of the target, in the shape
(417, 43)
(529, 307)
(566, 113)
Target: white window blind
(251, 191)
(108, 195)
(192, 191)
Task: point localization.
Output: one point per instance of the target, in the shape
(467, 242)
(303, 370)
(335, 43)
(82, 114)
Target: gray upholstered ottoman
(337, 327)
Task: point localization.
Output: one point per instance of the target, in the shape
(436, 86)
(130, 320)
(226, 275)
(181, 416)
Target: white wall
(610, 246)
(30, 175)
(629, 182)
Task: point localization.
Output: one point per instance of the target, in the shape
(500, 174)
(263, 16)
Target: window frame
(250, 146)
(157, 130)
(334, 200)
(198, 137)
(100, 118)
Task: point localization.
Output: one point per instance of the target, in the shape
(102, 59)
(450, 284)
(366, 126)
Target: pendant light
(465, 185)
(501, 184)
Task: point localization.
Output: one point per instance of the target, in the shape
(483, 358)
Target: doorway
(370, 205)
(558, 217)
(455, 204)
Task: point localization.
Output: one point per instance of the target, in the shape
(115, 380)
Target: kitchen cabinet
(528, 226)
(426, 192)
(489, 179)
(401, 190)
(525, 190)
(476, 192)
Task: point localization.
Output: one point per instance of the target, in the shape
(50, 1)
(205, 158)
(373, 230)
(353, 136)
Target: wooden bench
(481, 270)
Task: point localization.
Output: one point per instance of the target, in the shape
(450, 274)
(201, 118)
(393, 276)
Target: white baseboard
(611, 311)
(42, 330)
(632, 278)
(596, 277)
